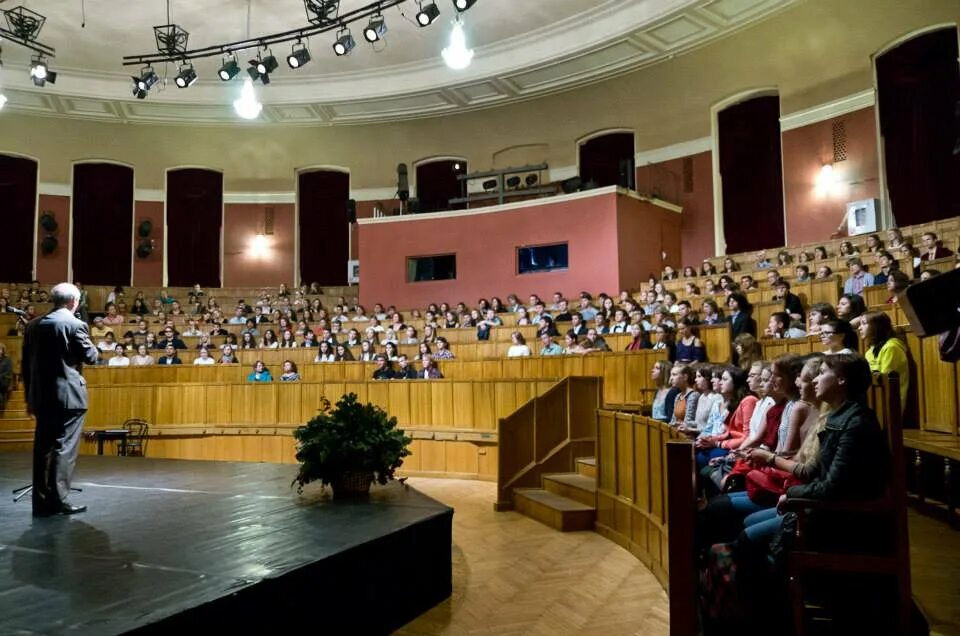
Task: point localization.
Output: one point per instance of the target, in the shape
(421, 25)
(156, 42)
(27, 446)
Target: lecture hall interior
(661, 292)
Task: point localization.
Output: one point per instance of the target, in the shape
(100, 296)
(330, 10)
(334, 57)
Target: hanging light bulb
(248, 106)
(457, 55)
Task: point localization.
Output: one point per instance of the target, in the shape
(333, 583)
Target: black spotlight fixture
(298, 56)
(513, 182)
(186, 77)
(344, 44)
(143, 83)
(531, 180)
(463, 5)
(428, 14)
(229, 69)
(376, 29)
(40, 73)
(268, 64)
(490, 185)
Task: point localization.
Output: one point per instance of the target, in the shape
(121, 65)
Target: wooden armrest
(801, 506)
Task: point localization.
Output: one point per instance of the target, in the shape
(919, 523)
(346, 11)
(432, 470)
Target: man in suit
(55, 347)
(170, 356)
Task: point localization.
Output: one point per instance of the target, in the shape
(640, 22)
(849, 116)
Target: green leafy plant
(349, 438)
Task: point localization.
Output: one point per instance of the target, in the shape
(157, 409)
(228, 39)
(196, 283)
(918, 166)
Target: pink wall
(666, 179)
(148, 272)
(644, 231)
(242, 221)
(365, 211)
(486, 244)
(52, 269)
(812, 216)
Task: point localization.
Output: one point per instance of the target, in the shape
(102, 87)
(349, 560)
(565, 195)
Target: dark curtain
(752, 174)
(102, 223)
(194, 224)
(601, 158)
(437, 183)
(18, 208)
(919, 94)
(322, 196)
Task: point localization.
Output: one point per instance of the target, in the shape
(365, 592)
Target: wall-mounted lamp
(259, 246)
(827, 180)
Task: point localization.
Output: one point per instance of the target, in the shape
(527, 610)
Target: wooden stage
(169, 544)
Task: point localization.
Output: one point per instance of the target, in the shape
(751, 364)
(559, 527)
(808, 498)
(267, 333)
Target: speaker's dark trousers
(55, 447)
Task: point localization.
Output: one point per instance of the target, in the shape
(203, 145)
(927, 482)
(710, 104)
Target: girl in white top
(325, 353)
(142, 359)
(204, 357)
(108, 343)
(706, 383)
(519, 348)
(269, 340)
(120, 359)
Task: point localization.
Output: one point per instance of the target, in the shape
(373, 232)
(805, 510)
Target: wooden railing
(646, 500)
(453, 423)
(546, 435)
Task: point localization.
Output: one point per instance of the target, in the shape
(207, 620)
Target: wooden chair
(885, 396)
(136, 443)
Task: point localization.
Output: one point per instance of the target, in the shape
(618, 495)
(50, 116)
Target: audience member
(260, 373)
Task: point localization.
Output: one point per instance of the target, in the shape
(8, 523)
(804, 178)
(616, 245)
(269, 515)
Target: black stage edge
(168, 545)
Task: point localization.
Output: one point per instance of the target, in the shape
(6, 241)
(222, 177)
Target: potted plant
(349, 446)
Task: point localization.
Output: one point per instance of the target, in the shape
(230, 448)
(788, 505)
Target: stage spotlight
(40, 73)
(344, 44)
(229, 69)
(146, 80)
(139, 93)
(267, 65)
(463, 5)
(186, 77)
(490, 185)
(428, 14)
(531, 180)
(376, 29)
(513, 182)
(298, 56)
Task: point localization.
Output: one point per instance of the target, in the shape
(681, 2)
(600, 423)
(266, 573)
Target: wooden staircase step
(587, 466)
(554, 510)
(13, 413)
(572, 486)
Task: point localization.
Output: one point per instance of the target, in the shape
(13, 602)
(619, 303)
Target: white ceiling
(524, 48)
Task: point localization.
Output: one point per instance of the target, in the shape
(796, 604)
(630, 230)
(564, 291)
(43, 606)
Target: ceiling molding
(823, 112)
(603, 41)
(676, 151)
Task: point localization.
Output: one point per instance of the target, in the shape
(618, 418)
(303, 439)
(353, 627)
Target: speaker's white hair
(63, 294)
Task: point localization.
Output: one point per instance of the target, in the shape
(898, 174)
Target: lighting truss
(23, 27)
(181, 53)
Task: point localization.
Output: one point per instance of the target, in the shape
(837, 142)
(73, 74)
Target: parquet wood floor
(513, 575)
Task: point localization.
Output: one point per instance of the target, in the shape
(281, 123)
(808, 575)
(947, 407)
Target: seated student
(170, 338)
(548, 347)
(640, 338)
(689, 272)
(887, 263)
(932, 248)
(142, 358)
(113, 317)
(927, 274)
(689, 347)
(665, 396)
(708, 269)
(325, 352)
(563, 311)
(824, 272)
(290, 372)
(384, 370)
(99, 329)
(802, 273)
(577, 324)
(730, 265)
(792, 304)
(886, 353)
(838, 337)
(820, 313)
(773, 277)
(108, 343)
(342, 354)
(741, 319)
(859, 277)
(850, 307)
(228, 355)
(780, 327)
(260, 373)
(762, 262)
(728, 422)
(428, 370)
(203, 357)
(847, 250)
(747, 283)
(710, 312)
(897, 283)
(120, 358)
(593, 342)
(169, 356)
(443, 349)
(519, 348)
(685, 405)
(907, 250)
(783, 258)
(404, 371)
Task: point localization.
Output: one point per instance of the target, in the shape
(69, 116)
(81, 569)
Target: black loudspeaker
(403, 182)
(571, 185)
(49, 245)
(48, 222)
(628, 174)
(145, 228)
(933, 306)
(351, 211)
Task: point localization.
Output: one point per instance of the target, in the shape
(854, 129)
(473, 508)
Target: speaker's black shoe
(62, 509)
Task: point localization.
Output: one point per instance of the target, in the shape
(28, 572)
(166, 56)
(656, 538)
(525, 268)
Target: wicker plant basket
(351, 484)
